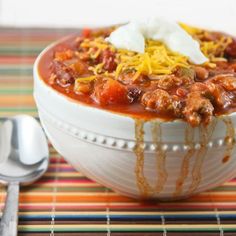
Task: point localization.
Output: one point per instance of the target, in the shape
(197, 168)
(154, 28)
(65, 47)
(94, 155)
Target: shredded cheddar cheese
(97, 69)
(191, 30)
(213, 49)
(85, 79)
(157, 59)
(96, 43)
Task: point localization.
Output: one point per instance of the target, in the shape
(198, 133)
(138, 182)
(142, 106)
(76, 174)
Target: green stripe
(20, 52)
(224, 189)
(14, 109)
(16, 91)
(15, 71)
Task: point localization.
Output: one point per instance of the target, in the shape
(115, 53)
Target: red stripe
(17, 60)
(55, 160)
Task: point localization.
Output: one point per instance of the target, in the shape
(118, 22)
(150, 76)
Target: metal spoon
(24, 158)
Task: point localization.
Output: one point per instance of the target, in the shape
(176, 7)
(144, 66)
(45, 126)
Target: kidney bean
(201, 72)
(134, 94)
(64, 74)
(108, 58)
(230, 51)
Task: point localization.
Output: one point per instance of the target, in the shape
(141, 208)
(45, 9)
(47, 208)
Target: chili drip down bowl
(138, 156)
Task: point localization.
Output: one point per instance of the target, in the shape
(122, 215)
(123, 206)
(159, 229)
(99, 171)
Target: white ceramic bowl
(172, 161)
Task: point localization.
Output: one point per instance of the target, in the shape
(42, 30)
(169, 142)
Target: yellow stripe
(229, 184)
(60, 165)
(16, 112)
(19, 78)
(61, 174)
(5, 85)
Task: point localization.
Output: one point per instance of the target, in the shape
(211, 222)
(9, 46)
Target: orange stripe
(86, 198)
(16, 100)
(214, 198)
(28, 198)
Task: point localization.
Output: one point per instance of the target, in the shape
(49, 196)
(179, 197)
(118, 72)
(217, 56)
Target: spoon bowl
(24, 158)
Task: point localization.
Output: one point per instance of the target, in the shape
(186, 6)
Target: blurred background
(77, 13)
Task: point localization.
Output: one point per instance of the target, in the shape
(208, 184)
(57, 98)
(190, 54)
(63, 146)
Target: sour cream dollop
(132, 37)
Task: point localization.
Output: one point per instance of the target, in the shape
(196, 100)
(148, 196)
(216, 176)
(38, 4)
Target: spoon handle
(9, 222)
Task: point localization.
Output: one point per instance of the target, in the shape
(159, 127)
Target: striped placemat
(65, 202)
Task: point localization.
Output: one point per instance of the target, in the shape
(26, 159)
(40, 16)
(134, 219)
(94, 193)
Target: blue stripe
(128, 217)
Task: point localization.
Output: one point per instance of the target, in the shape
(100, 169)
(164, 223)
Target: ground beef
(167, 82)
(220, 98)
(157, 100)
(198, 109)
(227, 81)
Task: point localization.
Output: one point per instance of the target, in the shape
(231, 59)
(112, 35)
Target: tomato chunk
(86, 32)
(110, 91)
